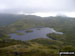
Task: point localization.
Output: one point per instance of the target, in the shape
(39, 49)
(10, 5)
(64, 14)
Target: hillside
(36, 47)
(41, 46)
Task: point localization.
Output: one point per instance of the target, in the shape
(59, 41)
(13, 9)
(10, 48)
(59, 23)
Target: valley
(44, 35)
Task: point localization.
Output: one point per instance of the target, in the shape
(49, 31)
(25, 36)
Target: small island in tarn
(19, 33)
(28, 31)
(38, 29)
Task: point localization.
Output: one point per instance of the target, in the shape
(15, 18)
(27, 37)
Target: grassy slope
(42, 47)
(37, 47)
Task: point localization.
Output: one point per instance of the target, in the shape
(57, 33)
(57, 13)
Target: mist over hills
(6, 19)
(25, 23)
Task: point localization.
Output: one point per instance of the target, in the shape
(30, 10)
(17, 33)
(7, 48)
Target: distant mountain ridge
(6, 19)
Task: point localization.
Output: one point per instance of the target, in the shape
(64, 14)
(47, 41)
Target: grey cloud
(36, 5)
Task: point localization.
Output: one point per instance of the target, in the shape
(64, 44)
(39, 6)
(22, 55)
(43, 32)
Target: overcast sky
(37, 6)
